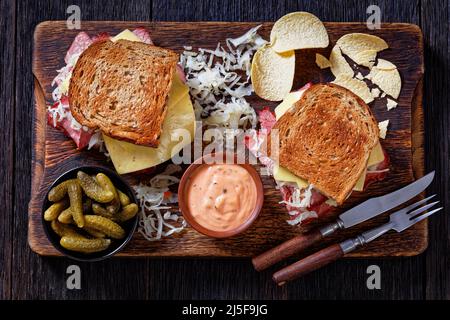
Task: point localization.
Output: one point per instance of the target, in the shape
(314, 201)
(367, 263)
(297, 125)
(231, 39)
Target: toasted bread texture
(121, 88)
(326, 138)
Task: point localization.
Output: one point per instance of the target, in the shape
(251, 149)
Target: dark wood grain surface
(7, 50)
(54, 153)
(25, 275)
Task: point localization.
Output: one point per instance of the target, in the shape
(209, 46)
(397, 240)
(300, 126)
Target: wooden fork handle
(286, 249)
(308, 264)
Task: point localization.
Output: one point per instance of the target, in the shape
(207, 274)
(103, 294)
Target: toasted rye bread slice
(121, 88)
(326, 138)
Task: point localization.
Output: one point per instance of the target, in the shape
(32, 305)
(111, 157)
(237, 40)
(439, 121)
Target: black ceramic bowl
(116, 245)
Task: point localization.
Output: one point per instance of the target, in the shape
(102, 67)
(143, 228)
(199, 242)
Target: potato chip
(387, 80)
(359, 76)
(322, 62)
(383, 126)
(353, 44)
(272, 73)
(365, 58)
(339, 66)
(298, 30)
(385, 65)
(375, 92)
(356, 86)
(391, 104)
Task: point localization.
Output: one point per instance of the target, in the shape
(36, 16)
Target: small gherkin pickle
(76, 203)
(127, 212)
(124, 199)
(65, 230)
(94, 233)
(100, 211)
(54, 210)
(66, 216)
(107, 184)
(105, 226)
(59, 192)
(84, 245)
(92, 189)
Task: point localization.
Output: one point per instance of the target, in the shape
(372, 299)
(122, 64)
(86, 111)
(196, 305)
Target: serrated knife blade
(375, 206)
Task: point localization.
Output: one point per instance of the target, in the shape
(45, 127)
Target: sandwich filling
(59, 115)
(121, 87)
(126, 157)
(304, 201)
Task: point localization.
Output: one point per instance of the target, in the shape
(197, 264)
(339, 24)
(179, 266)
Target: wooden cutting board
(53, 153)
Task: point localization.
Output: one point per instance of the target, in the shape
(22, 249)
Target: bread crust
(121, 88)
(326, 138)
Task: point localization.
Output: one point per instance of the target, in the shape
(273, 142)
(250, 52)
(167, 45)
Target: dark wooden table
(24, 275)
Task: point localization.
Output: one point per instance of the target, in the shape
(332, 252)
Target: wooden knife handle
(308, 264)
(285, 250)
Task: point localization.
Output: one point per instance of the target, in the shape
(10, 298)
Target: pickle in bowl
(90, 213)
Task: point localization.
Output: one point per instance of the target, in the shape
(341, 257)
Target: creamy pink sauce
(221, 197)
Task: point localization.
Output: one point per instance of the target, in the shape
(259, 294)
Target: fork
(399, 221)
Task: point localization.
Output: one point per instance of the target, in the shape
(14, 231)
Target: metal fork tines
(401, 220)
(406, 217)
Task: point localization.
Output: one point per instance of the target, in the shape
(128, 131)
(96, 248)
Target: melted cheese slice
(359, 186)
(128, 157)
(126, 35)
(376, 156)
(178, 90)
(283, 174)
(287, 103)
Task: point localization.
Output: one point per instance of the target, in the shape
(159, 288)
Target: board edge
(43, 25)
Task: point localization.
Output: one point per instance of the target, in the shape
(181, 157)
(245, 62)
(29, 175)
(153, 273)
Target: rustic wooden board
(53, 153)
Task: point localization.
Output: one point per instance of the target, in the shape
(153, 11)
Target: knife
(362, 212)
(398, 221)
